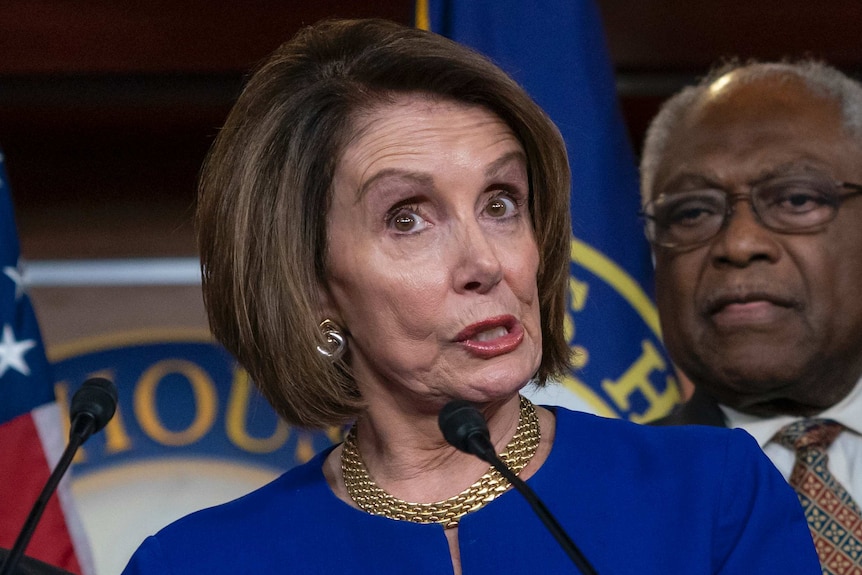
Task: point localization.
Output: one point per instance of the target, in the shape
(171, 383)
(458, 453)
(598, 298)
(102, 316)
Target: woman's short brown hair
(265, 192)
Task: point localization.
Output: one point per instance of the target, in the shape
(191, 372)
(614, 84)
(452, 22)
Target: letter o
(206, 401)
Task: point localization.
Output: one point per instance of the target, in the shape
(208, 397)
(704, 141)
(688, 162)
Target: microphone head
(462, 423)
(97, 397)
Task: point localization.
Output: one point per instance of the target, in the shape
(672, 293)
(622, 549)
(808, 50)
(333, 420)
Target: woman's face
(432, 259)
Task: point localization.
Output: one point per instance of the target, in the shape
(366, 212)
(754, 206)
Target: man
(751, 186)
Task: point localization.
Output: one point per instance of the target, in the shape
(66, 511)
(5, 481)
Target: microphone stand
(84, 430)
(483, 449)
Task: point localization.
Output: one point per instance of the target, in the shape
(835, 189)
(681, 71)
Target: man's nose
(743, 237)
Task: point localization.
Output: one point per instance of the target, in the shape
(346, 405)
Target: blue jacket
(635, 499)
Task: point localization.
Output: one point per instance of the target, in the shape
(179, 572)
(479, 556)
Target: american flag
(31, 427)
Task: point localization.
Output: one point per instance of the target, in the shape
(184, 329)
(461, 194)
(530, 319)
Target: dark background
(108, 107)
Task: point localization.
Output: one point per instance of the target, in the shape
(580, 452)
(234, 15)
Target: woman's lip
(472, 330)
(499, 345)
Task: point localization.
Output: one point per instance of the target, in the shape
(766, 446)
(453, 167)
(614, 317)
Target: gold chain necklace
(371, 498)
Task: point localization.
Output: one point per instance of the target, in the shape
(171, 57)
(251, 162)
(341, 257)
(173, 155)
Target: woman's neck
(407, 456)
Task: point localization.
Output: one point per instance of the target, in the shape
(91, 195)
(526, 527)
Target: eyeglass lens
(787, 204)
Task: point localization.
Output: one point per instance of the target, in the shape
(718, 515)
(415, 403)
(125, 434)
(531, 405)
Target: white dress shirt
(845, 453)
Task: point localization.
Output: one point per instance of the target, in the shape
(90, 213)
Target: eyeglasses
(787, 204)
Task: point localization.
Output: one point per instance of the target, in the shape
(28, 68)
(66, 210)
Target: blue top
(635, 499)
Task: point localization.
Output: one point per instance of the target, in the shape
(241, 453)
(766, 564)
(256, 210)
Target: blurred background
(107, 109)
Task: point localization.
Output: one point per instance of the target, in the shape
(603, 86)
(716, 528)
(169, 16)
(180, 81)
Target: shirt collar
(847, 412)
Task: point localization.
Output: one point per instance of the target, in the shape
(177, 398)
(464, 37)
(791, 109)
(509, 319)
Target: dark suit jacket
(700, 409)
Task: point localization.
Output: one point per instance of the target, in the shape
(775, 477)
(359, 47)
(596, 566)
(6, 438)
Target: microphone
(464, 427)
(93, 405)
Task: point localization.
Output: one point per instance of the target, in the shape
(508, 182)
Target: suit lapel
(701, 409)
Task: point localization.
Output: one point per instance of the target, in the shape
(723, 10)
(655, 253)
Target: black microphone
(93, 405)
(464, 427)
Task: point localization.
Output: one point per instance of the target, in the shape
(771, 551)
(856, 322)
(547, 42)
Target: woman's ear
(327, 309)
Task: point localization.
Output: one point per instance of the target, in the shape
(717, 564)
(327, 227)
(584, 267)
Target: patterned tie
(833, 516)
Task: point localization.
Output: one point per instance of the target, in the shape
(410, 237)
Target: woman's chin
(496, 385)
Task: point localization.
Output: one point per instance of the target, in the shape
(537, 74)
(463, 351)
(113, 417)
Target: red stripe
(24, 470)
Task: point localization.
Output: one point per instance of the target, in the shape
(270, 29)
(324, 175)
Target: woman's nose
(478, 267)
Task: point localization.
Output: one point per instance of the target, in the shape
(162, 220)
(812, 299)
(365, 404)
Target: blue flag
(556, 50)
(25, 378)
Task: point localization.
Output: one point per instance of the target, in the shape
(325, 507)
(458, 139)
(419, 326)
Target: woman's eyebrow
(504, 161)
(420, 178)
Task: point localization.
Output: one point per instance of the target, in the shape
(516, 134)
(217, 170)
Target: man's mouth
(749, 310)
(725, 301)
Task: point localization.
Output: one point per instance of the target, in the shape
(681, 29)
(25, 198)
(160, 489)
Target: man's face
(765, 322)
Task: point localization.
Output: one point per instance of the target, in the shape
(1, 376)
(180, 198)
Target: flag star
(17, 277)
(12, 352)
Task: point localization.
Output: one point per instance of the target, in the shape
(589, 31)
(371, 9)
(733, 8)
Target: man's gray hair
(819, 77)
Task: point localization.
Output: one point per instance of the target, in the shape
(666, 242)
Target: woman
(383, 225)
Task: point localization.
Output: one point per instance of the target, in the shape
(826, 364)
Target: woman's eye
(407, 221)
(501, 207)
